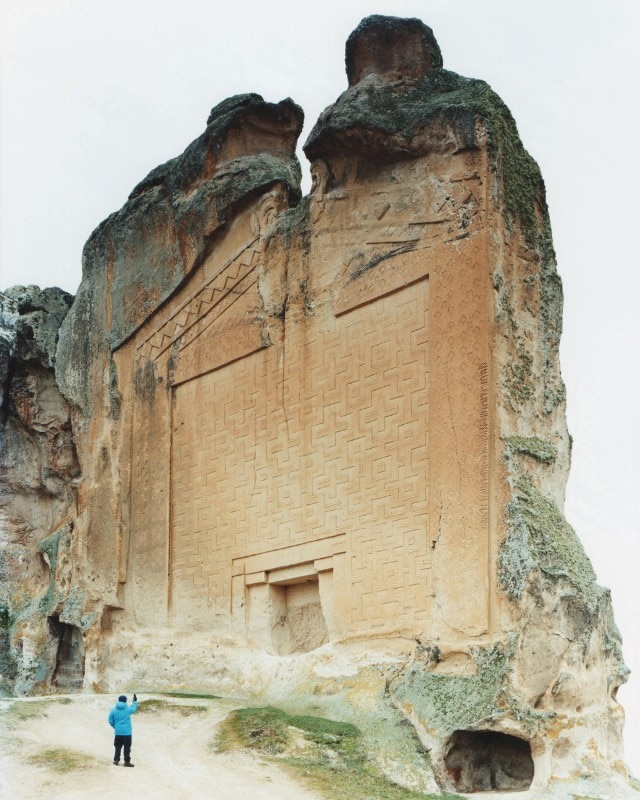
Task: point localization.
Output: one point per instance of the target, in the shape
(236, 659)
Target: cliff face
(321, 443)
(39, 471)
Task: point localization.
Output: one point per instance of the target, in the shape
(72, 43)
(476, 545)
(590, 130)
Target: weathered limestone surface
(38, 471)
(321, 443)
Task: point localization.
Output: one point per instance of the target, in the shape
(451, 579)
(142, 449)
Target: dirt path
(172, 753)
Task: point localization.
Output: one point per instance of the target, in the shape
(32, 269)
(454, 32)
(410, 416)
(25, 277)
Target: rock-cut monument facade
(315, 447)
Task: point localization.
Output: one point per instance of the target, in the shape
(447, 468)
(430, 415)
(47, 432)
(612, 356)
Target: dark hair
(123, 698)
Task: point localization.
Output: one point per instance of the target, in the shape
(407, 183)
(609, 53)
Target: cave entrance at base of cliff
(69, 669)
(298, 622)
(485, 761)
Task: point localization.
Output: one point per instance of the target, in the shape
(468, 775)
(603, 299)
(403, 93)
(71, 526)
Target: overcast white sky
(94, 93)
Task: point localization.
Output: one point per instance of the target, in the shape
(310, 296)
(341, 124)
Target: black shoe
(116, 763)
(128, 764)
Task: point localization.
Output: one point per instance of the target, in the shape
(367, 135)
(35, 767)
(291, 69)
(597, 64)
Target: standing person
(120, 721)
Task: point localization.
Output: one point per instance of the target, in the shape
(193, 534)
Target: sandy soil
(172, 756)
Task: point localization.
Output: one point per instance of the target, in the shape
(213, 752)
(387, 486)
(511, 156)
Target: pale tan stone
(323, 445)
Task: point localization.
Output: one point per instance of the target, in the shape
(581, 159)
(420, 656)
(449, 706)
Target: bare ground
(172, 752)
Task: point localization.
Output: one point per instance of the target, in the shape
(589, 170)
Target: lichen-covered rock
(38, 473)
(30, 321)
(321, 443)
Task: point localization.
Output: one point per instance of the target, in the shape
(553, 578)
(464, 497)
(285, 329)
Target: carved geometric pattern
(217, 295)
(387, 219)
(323, 436)
(459, 428)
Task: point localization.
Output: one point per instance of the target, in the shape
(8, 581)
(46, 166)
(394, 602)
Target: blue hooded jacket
(120, 717)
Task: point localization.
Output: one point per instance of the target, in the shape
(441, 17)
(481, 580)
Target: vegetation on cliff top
(401, 111)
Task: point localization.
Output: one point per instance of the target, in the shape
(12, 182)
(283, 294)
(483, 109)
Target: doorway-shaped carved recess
(68, 672)
(289, 609)
(297, 623)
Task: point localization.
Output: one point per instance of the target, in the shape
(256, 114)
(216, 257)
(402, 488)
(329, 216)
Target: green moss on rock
(507, 309)
(73, 610)
(31, 613)
(8, 666)
(292, 223)
(611, 639)
(539, 537)
(50, 548)
(50, 545)
(449, 702)
(533, 446)
(517, 380)
(387, 120)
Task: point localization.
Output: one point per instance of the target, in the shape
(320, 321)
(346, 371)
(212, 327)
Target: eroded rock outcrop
(322, 442)
(38, 473)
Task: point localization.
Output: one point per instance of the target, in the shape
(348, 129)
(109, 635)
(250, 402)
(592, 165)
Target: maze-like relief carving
(325, 435)
(459, 444)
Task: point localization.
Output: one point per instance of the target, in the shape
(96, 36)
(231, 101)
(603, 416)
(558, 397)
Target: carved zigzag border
(221, 292)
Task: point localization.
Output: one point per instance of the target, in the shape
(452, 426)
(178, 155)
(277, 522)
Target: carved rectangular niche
(291, 600)
(322, 436)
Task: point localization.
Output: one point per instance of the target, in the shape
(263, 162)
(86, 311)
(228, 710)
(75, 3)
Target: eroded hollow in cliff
(484, 761)
(69, 669)
(299, 622)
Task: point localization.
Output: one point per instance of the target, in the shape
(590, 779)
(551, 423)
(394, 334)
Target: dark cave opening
(68, 673)
(485, 761)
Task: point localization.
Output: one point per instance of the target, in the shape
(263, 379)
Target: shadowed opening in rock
(299, 624)
(69, 669)
(484, 761)
(8, 669)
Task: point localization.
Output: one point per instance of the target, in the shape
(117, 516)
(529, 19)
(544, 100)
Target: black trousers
(119, 742)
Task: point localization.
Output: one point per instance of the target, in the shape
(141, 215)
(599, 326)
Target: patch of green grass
(261, 729)
(62, 759)
(21, 710)
(190, 695)
(357, 780)
(335, 763)
(154, 706)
